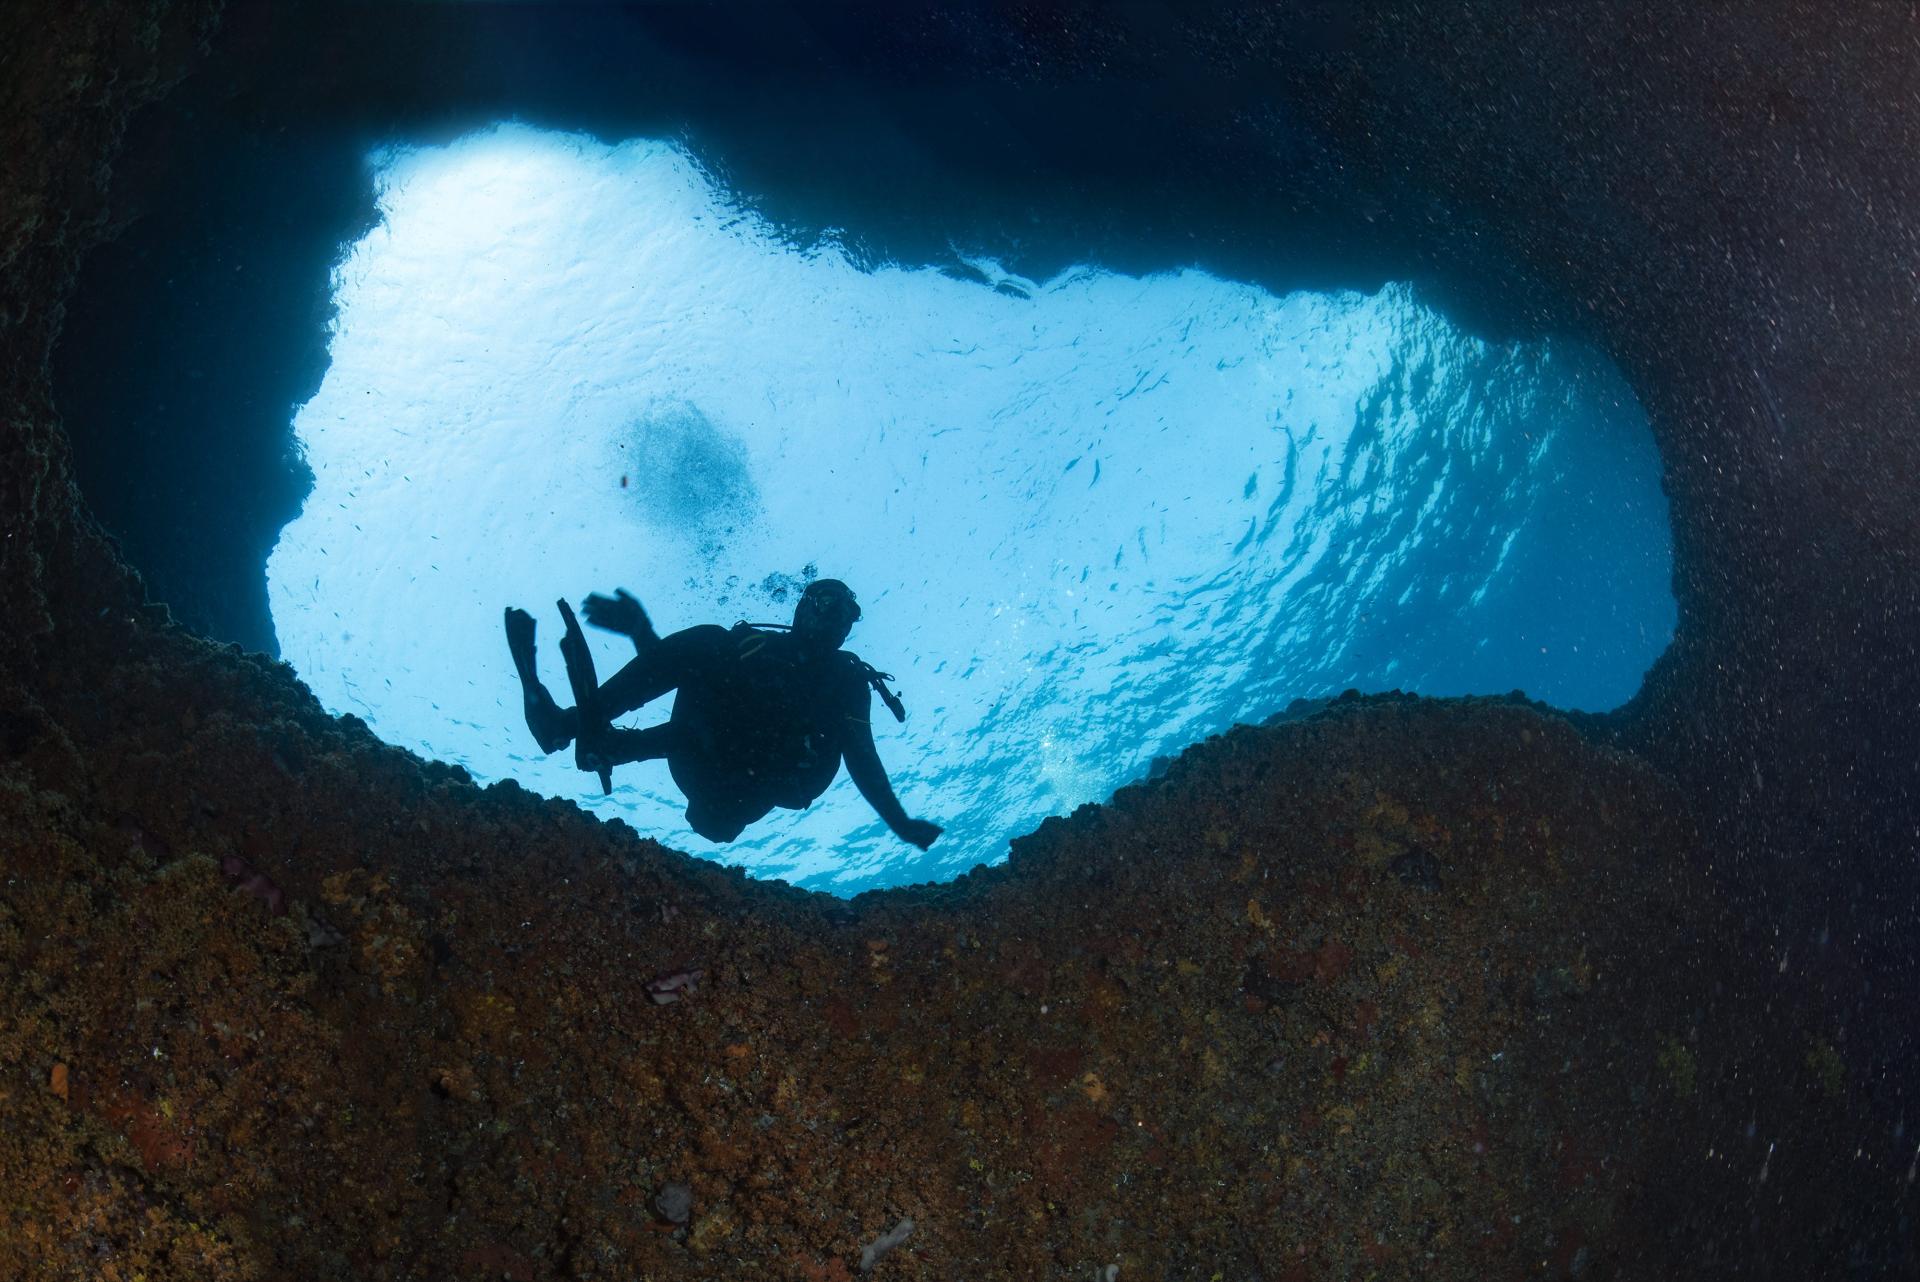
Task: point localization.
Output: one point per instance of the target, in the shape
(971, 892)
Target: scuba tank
(874, 677)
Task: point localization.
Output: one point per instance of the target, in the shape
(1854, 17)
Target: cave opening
(1099, 504)
(1694, 928)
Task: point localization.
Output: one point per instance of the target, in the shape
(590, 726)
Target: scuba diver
(763, 716)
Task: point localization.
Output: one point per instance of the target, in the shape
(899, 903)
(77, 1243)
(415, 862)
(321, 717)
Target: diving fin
(586, 693)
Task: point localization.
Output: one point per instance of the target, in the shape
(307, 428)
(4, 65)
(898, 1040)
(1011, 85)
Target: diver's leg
(590, 721)
(669, 663)
(657, 669)
(665, 665)
(553, 726)
(616, 747)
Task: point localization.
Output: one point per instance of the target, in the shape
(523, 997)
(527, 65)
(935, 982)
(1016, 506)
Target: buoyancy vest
(875, 678)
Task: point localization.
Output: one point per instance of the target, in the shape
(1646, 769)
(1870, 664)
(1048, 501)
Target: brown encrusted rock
(1205, 1026)
(1211, 1028)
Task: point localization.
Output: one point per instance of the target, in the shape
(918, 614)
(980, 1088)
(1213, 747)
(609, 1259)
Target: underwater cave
(1100, 515)
(1394, 526)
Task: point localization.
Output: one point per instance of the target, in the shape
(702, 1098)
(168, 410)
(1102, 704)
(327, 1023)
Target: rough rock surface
(1214, 1028)
(1405, 988)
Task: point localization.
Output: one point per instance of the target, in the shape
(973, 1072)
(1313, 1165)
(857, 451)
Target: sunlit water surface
(1091, 519)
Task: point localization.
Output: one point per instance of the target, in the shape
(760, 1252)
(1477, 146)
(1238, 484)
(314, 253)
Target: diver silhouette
(763, 716)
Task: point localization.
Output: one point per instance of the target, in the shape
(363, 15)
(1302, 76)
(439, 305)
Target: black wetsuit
(761, 720)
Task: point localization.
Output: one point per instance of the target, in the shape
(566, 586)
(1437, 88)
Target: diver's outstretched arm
(870, 777)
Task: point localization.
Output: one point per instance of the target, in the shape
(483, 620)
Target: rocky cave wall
(1390, 989)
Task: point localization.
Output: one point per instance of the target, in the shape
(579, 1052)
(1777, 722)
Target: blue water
(1091, 519)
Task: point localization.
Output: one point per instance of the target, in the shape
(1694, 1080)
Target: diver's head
(825, 614)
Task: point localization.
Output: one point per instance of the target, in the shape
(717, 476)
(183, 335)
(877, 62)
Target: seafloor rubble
(1405, 987)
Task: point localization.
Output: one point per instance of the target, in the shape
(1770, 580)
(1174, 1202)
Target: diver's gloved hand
(919, 832)
(620, 613)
